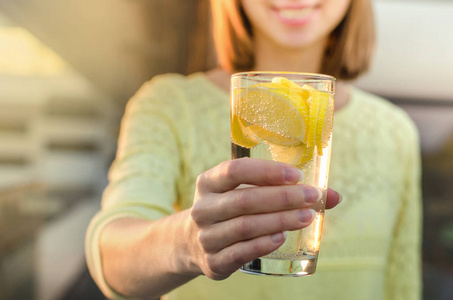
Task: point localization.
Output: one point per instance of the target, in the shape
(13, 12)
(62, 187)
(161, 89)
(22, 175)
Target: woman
(171, 213)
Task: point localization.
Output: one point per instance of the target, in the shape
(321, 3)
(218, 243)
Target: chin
(297, 43)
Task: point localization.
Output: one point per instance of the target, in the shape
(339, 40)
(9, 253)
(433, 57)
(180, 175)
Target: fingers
(234, 226)
(333, 198)
(222, 264)
(255, 200)
(230, 174)
(222, 235)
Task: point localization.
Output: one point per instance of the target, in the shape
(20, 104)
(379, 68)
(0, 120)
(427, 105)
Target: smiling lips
(294, 15)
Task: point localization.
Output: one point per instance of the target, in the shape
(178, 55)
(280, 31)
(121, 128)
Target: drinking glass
(286, 117)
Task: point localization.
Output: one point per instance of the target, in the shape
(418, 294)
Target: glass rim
(302, 75)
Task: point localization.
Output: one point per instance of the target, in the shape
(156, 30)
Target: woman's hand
(229, 227)
(225, 228)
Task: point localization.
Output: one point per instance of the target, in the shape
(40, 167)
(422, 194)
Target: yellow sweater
(176, 127)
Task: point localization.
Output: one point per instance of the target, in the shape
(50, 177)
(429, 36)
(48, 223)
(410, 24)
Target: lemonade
(288, 118)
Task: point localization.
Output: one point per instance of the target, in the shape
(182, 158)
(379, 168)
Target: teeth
(294, 14)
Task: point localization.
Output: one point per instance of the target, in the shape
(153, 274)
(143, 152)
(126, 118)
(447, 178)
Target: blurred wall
(414, 54)
(119, 44)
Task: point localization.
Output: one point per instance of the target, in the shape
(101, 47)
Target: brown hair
(347, 55)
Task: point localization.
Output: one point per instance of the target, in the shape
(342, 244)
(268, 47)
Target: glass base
(281, 267)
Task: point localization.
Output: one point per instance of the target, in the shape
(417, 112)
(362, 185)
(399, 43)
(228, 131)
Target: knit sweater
(176, 127)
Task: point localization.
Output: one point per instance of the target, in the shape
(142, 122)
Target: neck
(271, 57)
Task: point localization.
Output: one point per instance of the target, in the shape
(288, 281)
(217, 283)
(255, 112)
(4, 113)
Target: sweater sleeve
(146, 173)
(403, 280)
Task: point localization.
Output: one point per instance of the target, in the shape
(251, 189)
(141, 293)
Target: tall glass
(286, 117)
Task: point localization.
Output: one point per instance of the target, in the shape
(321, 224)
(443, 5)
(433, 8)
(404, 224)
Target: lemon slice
(323, 101)
(274, 138)
(264, 105)
(300, 97)
(292, 91)
(297, 156)
(241, 134)
(320, 120)
(328, 124)
(294, 88)
(312, 121)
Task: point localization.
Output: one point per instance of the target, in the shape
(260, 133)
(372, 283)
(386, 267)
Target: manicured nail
(278, 237)
(301, 175)
(306, 215)
(293, 175)
(340, 198)
(312, 195)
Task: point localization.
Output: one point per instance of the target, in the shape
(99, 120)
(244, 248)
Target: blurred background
(67, 68)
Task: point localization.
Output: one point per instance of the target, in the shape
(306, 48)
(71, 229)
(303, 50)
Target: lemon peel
(241, 134)
(320, 119)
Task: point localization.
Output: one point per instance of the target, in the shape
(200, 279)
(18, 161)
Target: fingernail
(301, 175)
(278, 237)
(293, 175)
(340, 198)
(312, 195)
(306, 215)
